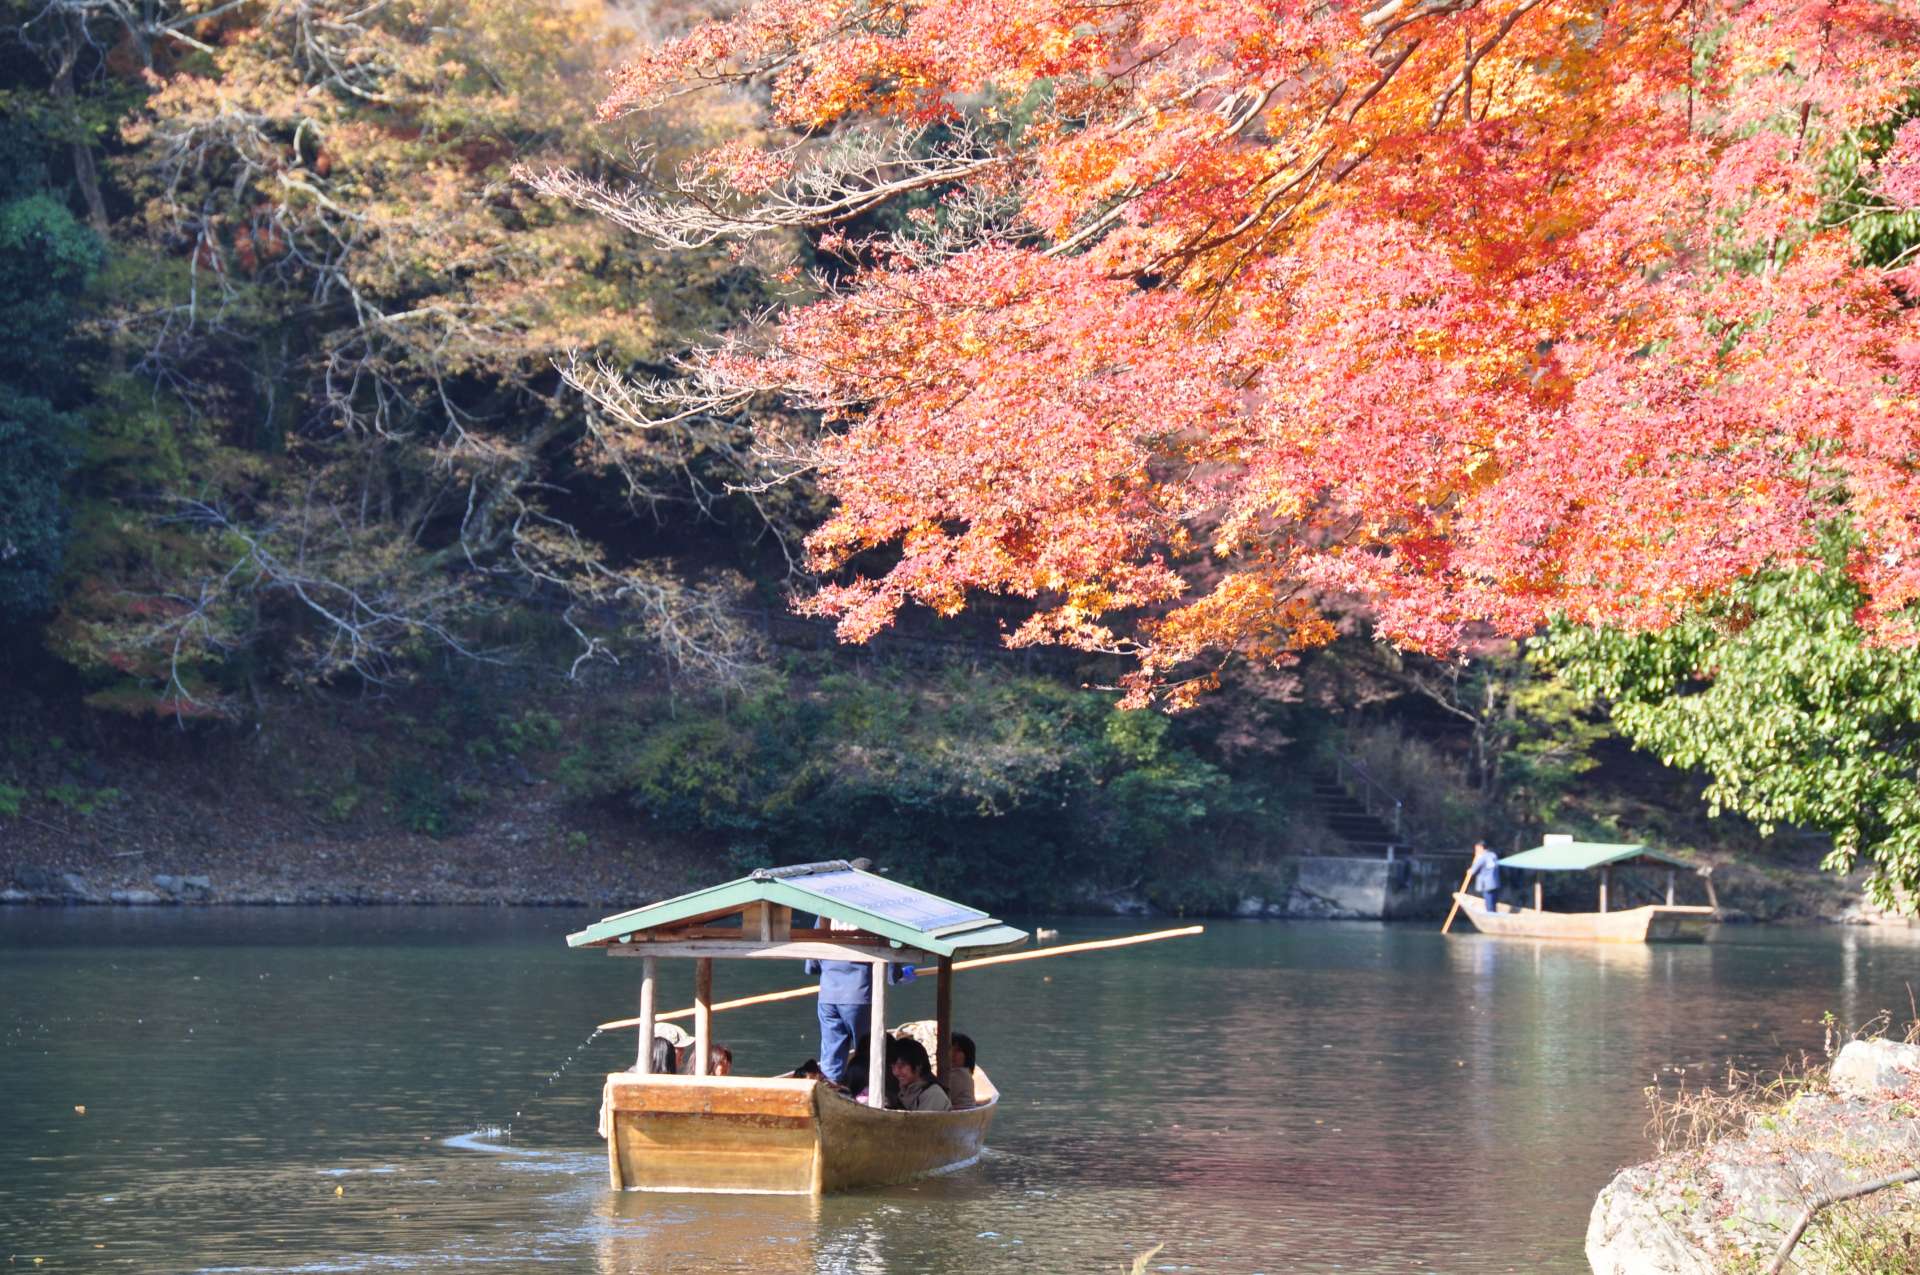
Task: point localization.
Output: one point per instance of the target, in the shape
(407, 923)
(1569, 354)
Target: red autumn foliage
(1480, 311)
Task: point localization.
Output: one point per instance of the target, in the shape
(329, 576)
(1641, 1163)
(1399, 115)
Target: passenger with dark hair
(907, 1064)
(960, 1072)
(719, 1061)
(671, 1048)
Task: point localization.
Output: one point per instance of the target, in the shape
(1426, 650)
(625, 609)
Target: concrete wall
(1361, 889)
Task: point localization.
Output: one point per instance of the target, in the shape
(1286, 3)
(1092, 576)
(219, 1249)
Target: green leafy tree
(1009, 790)
(1774, 692)
(47, 259)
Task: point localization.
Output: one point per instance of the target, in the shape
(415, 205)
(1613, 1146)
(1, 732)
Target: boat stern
(711, 1133)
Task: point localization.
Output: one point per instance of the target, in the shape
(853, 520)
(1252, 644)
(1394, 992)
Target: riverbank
(1809, 1173)
(447, 800)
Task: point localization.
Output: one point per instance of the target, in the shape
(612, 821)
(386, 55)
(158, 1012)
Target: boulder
(1627, 1235)
(165, 882)
(73, 886)
(1875, 1068)
(15, 896)
(136, 898)
(44, 882)
(1725, 1206)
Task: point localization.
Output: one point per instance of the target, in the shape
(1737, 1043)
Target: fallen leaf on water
(339, 1190)
(80, 1110)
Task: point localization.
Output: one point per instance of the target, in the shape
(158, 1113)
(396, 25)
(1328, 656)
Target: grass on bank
(1873, 1234)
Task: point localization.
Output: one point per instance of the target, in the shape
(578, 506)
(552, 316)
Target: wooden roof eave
(973, 938)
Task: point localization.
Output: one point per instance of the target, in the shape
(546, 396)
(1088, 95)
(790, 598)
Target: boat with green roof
(789, 1134)
(1657, 922)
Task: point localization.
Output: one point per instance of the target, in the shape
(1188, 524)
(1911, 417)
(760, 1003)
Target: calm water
(287, 1090)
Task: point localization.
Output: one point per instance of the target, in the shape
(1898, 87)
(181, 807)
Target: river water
(299, 1091)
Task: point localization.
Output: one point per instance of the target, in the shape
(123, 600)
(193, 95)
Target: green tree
(1775, 694)
(47, 259)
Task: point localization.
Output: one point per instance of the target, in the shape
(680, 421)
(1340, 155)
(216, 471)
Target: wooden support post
(877, 1040)
(1606, 879)
(703, 1016)
(649, 971)
(943, 1021)
(1672, 879)
(1713, 900)
(1539, 894)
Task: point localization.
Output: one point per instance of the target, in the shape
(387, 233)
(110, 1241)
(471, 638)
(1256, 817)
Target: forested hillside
(350, 530)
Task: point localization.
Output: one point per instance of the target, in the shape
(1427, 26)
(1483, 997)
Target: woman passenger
(911, 1072)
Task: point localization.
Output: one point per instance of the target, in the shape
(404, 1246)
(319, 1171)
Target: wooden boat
(1653, 923)
(785, 1135)
(777, 1136)
(1659, 922)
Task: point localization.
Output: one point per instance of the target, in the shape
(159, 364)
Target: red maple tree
(1480, 309)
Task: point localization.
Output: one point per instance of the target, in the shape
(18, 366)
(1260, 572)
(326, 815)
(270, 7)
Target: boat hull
(1657, 923)
(775, 1136)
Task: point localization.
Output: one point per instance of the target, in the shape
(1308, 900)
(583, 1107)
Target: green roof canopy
(1584, 856)
(835, 891)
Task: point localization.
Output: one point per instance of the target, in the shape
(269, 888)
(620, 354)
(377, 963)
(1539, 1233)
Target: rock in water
(1726, 1206)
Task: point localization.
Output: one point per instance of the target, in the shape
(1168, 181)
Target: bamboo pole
(1455, 909)
(979, 962)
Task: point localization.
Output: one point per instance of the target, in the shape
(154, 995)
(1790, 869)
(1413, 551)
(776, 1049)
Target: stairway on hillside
(1347, 817)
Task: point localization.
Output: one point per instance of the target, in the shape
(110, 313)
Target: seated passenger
(854, 1079)
(719, 1061)
(809, 1070)
(909, 1069)
(668, 1043)
(960, 1073)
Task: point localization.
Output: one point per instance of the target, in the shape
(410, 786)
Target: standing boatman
(1486, 875)
(846, 1002)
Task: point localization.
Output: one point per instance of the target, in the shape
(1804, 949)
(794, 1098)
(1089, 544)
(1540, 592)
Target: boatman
(1486, 875)
(846, 1002)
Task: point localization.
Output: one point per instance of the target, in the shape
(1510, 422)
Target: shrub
(1011, 791)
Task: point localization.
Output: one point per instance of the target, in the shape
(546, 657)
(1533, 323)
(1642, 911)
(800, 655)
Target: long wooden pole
(978, 962)
(649, 980)
(702, 1012)
(877, 1039)
(1455, 909)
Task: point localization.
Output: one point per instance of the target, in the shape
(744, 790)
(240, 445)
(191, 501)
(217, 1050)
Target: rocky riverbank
(1726, 1205)
(391, 804)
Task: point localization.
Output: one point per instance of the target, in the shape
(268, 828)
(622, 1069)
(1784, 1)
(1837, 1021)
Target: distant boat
(1667, 922)
(782, 1134)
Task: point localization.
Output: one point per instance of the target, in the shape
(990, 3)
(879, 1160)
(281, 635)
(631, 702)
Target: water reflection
(774, 1234)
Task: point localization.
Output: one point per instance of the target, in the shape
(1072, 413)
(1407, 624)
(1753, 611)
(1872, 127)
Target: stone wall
(1325, 886)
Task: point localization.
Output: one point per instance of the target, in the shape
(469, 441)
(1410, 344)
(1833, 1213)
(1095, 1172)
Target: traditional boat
(1659, 922)
(787, 1135)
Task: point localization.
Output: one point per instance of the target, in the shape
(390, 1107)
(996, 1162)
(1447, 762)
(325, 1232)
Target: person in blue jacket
(846, 1005)
(1486, 875)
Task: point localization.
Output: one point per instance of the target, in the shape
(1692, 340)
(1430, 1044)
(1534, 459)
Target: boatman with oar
(846, 1001)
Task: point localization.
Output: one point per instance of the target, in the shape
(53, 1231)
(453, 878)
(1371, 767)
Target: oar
(1455, 909)
(1006, 958)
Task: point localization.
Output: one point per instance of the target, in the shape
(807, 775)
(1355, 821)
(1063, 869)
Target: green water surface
(296, 1090)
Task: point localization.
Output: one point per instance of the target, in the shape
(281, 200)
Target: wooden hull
(779, 1137)
(1658, 923)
